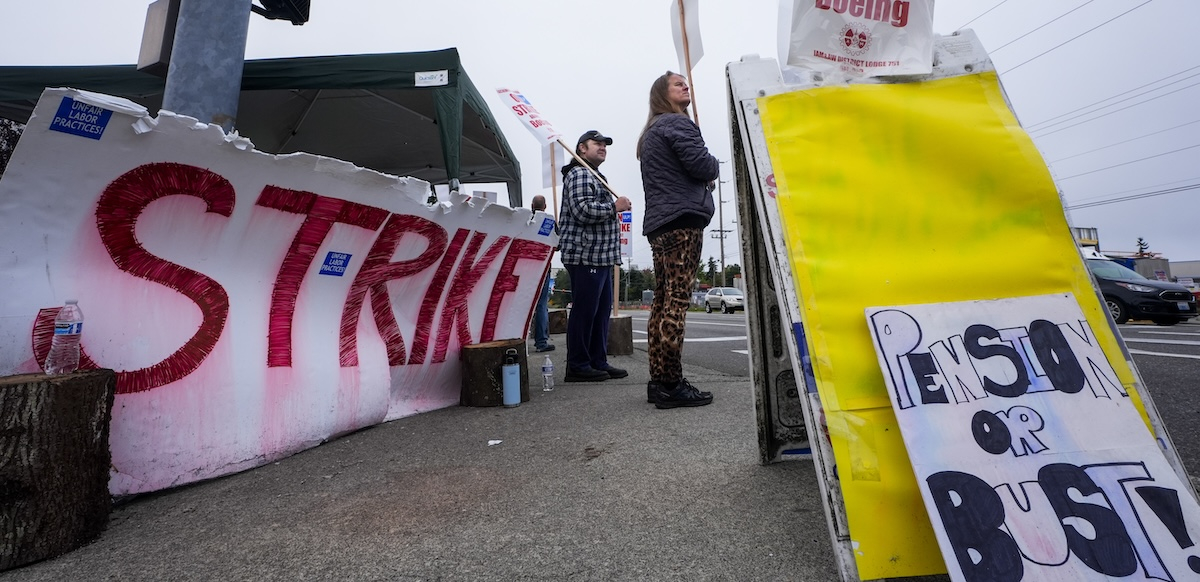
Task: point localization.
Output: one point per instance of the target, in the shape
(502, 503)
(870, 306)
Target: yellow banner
(902, 194)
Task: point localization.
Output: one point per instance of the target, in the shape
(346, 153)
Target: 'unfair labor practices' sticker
(335, 264)
(79, 118)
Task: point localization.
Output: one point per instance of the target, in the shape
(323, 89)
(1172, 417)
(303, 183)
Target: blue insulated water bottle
(512, 379)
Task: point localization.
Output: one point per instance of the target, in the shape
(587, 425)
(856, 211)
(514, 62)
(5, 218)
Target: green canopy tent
(408, 114)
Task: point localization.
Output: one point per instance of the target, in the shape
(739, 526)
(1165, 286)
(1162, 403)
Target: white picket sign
(528, 114)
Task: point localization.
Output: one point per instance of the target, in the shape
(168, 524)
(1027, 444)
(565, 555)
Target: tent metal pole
(300, 120)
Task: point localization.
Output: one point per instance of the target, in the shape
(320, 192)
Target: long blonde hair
(659, 104)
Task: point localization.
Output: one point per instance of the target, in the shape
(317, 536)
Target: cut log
(558, 321)
(54, 463)
(482, 378)
(620, 335)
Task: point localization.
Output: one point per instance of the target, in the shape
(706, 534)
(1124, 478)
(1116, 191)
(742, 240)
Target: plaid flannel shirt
(589, 230)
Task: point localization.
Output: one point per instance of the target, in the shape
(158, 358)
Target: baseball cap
(593, 134)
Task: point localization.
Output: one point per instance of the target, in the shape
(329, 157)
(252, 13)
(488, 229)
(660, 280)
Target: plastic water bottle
(547, 375)
(64, 348)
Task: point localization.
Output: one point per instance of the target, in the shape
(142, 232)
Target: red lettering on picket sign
(507, 280)
(455, 308)
(432, 296)
(117, 213)
(376, 271)
(321, 212)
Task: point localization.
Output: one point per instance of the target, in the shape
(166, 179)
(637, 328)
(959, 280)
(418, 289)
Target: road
(1167, 357)
(716, 341)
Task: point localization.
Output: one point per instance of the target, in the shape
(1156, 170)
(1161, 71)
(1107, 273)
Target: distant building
(492, 197)
(1186, 269)
(1086, 236)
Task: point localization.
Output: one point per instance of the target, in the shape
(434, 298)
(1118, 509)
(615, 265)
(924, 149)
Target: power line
(1129, 162)
(997, 49)
(1135, 197)
(1125, 141)
(1077, 36)
(982, 15)
(1047, 125)
(1114, 111)
(1046, 121)
(1136, 189)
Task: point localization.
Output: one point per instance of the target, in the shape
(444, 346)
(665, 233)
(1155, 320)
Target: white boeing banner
(252, 305)
(861, 38)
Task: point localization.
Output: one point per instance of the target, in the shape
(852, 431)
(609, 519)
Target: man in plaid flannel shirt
(589, 238)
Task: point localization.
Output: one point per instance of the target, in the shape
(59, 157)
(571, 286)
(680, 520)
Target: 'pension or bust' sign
(1031, 458)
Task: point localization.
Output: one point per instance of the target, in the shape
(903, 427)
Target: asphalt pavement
(588, 482)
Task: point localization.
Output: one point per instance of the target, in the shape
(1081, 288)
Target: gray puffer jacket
(676, 171)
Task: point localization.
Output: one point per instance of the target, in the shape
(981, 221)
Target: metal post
(205, 77)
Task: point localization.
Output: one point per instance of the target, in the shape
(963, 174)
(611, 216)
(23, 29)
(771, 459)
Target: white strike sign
(252, 305)
(525, 111)
(1032, 460)
(627, 234)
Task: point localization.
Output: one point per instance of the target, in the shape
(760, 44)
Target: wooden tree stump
(620, 335)
(54, 463)
(558, 321)
(482, 378)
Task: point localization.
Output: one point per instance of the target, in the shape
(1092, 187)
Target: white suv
(727, 299)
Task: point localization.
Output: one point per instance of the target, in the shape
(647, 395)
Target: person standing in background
(678, 175)
(541, 313)
(589, 237)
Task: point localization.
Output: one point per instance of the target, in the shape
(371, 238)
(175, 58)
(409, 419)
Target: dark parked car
(1129, 295)
(727, 299)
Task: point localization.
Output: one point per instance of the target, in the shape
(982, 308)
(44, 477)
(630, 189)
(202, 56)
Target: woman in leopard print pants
(677, 174)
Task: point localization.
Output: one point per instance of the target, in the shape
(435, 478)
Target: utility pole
(628, 280)
(720, 232)
(721, 225)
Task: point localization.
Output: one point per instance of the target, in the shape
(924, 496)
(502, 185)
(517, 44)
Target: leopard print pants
(676, 258)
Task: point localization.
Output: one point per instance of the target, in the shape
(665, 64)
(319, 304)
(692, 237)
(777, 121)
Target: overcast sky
(590, 65)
